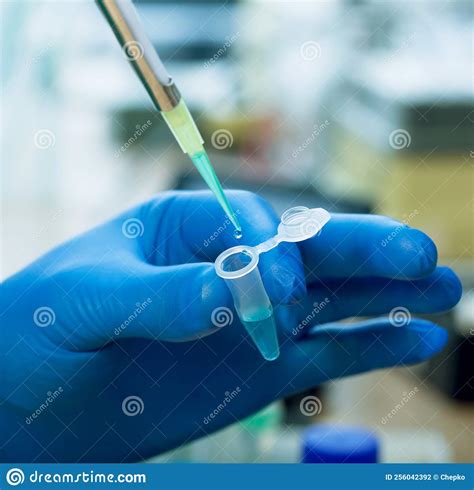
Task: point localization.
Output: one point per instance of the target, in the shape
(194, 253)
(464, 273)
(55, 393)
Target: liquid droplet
(238, 234)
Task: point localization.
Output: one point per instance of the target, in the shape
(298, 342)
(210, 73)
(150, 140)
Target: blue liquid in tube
(261, 327)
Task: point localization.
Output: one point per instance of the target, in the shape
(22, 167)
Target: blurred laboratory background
(353, 105)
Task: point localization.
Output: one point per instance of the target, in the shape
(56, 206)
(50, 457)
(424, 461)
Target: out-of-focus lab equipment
(332, 443)
(125, 23)
(239, 267)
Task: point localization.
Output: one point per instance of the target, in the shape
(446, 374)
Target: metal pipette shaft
(125, 23)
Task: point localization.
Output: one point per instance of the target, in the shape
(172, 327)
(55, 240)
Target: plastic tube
(238, 266)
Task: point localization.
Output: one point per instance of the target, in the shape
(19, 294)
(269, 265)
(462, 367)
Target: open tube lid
(297, 224)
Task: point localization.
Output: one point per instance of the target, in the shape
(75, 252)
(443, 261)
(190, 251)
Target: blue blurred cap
(339, 444)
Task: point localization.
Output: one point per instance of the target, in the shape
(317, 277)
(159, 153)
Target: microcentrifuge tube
(238, 266)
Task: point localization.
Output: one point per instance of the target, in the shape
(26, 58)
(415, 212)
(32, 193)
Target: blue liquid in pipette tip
(203, 164)
(238, 234)
(262, 329)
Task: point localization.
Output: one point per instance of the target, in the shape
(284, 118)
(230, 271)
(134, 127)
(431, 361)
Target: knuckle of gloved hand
(251, 202)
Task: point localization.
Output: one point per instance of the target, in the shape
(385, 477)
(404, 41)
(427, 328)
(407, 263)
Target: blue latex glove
(111, 315)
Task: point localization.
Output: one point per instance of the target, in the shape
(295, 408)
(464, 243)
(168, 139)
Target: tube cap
(339, 444)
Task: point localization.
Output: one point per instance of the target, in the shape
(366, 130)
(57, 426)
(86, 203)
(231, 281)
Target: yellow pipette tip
(187, 135)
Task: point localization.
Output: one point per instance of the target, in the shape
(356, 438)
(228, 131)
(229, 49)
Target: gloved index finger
(200, 231)
(356, 245)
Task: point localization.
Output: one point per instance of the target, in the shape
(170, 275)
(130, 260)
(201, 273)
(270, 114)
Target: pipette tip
(204, 166)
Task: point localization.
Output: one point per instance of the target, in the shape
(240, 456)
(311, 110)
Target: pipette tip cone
(204, 166)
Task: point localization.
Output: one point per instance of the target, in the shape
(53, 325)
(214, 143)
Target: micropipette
(238, 267)
(125, 23)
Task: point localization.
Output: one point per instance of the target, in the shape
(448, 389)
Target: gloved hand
(105, 352)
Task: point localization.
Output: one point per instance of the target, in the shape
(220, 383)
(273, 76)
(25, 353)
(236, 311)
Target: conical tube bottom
(262, 330)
